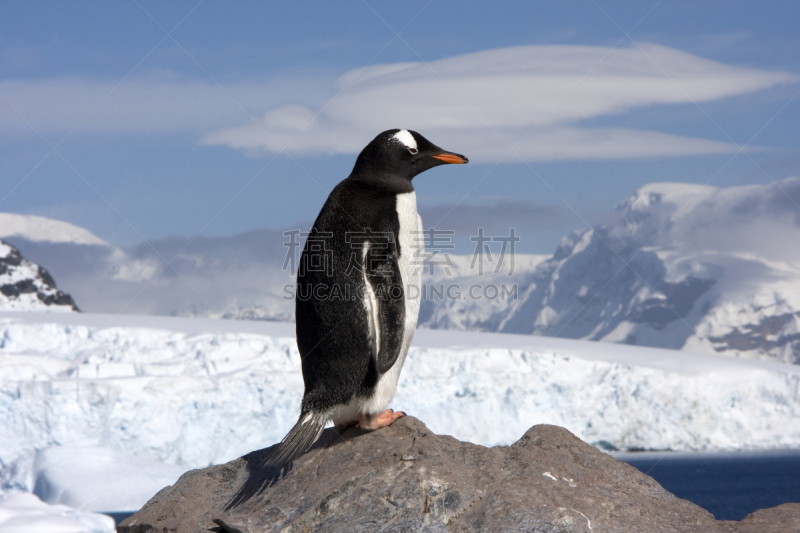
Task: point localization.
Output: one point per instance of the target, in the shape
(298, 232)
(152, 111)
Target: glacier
(166, 394)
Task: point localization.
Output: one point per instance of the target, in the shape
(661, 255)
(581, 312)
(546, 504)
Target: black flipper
(299, 439)
(383, 274)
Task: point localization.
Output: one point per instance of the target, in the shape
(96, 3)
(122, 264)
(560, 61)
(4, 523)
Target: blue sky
(172, 118)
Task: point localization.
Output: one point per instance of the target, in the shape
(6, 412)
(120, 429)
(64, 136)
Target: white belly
(412, 248)
(412, 254)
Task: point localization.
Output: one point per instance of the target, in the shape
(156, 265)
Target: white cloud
(143, 105)
(532, 97)
(481, 104)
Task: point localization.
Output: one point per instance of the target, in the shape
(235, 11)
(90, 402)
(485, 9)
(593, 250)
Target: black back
(332, 322)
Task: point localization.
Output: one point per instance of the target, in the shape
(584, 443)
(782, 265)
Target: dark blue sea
(730, 486)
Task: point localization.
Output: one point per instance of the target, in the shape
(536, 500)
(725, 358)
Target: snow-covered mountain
(26, 286)
(705, 269)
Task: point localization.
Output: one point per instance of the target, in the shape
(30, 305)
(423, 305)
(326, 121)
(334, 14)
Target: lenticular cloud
(530, 99)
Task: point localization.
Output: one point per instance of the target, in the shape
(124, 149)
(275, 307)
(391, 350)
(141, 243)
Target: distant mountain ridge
(680, 266)
(26, 286)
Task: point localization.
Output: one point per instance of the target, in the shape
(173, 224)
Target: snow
(25, 513)
(38, 229)
(101, 411)
(79, 476)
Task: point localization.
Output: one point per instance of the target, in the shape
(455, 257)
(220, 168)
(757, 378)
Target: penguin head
(395, 157)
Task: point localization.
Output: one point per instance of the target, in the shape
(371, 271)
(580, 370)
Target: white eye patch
(406, 139)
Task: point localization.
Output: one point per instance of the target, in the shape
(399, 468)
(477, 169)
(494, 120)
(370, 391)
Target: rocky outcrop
(776, 333)
(405, 478)
(26, 286)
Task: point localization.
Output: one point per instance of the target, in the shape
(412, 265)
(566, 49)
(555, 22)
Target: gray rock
(405, 478)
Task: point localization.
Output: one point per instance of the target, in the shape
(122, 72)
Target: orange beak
(453, 159)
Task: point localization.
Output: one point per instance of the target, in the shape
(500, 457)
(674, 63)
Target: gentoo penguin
(358, 290)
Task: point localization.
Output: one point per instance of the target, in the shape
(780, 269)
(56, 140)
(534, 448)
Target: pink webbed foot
(373, 422)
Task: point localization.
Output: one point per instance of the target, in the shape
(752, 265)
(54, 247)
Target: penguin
(358, 290)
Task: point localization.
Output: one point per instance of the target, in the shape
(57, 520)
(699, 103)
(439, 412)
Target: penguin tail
(299, 439)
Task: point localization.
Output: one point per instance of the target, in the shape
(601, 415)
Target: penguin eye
(413, 151)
